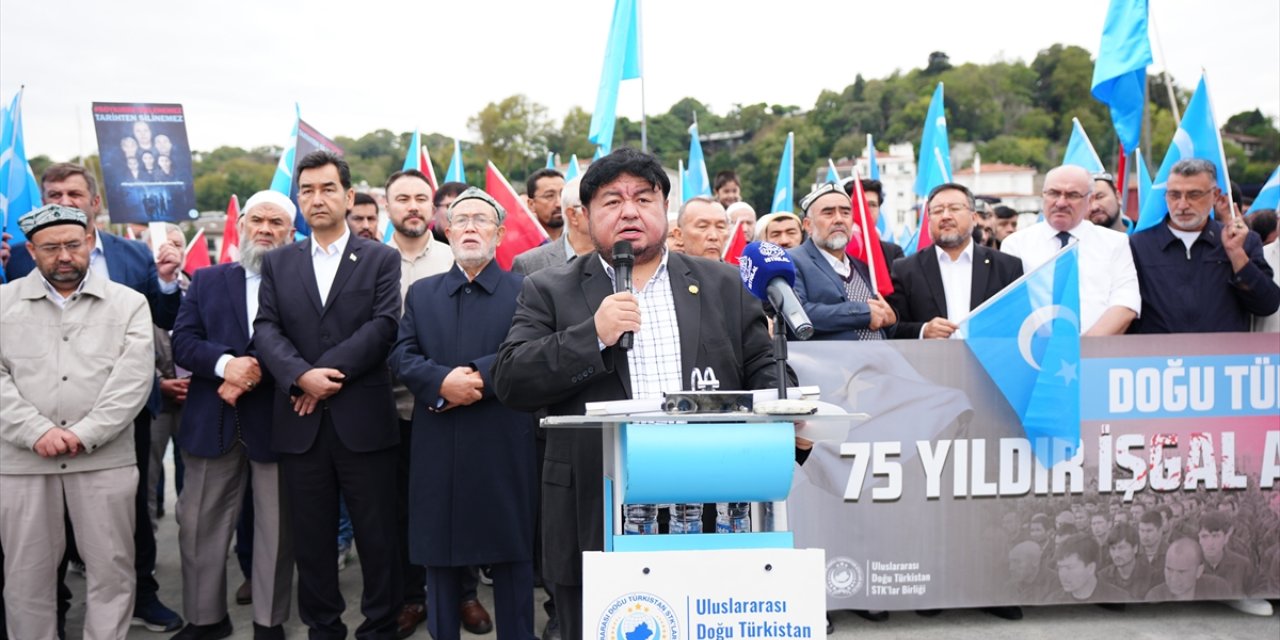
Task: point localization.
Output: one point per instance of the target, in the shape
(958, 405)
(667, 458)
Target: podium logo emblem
(638, 616)
(844, 577)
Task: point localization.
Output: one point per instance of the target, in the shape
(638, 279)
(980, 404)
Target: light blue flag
(1269, 196)
(456, 173)
(1144, 183)
(903, 236)
(1196, 137)
(784, 193)
(388, 232)
(1120, 74)
(413, 155)
(874, 171)
(621, 62)
(912, 242)
(551, 160)
(282, 181)
(1080, 150)
(572, 170)
(833, 176)
(934, 166)
(1027, 338)
(19, 191)
(696, 183)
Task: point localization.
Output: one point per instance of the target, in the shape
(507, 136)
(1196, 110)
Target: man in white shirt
(1109, 297)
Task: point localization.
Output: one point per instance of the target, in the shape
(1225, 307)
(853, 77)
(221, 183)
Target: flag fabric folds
(868, 250)
(1120, 74)
(738, 240)
(697, 182)
(551, 160)
(874, 171)
(282, 181)
(934, 165)
(833, 176)
(571, 171)
(523, 232)
(1197, 137)
(1269, 196)
(231, 233)
(784, 194)
(456, 172)
(1027, 338)
(19, 191)
(197, 254)
(416, 157)
(1080, 151)
(621, 62)
(1144, 182)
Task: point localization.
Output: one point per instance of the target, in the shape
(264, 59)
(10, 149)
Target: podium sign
(674, 595)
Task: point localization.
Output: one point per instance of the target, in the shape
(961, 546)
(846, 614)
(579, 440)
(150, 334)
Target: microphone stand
(780, 350)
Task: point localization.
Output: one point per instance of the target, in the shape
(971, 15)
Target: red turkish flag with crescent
(524, 232)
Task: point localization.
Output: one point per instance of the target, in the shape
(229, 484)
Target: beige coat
(88, 368)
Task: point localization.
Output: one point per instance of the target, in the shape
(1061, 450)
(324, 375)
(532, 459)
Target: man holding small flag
(1198, 274)
(935, 289)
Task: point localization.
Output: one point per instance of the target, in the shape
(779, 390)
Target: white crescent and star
(1036, 319)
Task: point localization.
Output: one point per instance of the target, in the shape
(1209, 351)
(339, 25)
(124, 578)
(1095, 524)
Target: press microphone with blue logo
(768, 273)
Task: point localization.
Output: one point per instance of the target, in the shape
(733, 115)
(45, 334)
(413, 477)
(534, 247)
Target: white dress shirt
(1107, 275)
(957, 281)
(326, 260)
(654, 359)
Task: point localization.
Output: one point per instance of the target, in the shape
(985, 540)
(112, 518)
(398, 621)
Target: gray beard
(251, 257)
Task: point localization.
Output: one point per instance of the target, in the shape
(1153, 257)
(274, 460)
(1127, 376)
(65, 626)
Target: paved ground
(1137, 622)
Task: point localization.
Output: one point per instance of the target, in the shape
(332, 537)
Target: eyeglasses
(477, 221)
(1052, 195)
(954, 209)
(56, 249)
(1189, 196)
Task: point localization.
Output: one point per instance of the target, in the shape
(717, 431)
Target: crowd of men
(398, 384)
(1156, 548)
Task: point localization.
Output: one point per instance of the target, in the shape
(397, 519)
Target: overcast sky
(238, 66)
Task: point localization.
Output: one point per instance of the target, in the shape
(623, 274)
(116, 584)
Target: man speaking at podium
(562, 351)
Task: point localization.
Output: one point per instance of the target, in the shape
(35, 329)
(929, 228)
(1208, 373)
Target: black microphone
(623, 260)
(768, 273)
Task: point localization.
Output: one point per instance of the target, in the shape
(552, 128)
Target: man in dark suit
(561, 352)
(835, 289)
(327, 314)
(131, 264)
(226, 433)
(467, 448)
(936, 288)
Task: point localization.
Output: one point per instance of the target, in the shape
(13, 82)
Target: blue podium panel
(720, 462)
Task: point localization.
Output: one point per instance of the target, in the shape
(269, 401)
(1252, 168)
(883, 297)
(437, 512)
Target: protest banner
(146, 162)
(935, 501)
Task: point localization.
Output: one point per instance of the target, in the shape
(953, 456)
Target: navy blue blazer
(213, 321)
(482, 453)
(352, 331)
(822, 294)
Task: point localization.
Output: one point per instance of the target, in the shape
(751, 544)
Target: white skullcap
(270, 197)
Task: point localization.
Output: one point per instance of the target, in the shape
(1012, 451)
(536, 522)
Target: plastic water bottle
(641, 519)
(686, 518)
(733, 517)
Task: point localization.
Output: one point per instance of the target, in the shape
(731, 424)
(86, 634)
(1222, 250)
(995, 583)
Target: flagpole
(861, 204)
(644, 117)
(1164, 72)
(1213, 114)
